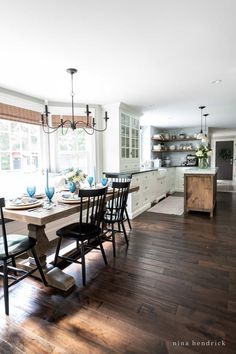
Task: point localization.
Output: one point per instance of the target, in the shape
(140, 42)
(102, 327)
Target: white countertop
(202, 171)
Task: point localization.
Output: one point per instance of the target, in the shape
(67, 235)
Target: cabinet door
(129, 137)
(125, 136)
(160, 184)
(134, 126)
(170, 180)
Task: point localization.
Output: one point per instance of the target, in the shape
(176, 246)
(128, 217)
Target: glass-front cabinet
(129, 127)
(121, 140)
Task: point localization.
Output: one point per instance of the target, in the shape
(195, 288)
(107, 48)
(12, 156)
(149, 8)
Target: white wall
(20, 100)
(111, 139)
(146, 143)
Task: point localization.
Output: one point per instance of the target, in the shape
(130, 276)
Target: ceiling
(160, 56)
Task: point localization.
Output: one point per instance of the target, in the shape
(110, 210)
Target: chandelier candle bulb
(46, 109)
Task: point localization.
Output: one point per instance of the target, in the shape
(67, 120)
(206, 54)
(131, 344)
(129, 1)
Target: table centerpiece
(203, 153)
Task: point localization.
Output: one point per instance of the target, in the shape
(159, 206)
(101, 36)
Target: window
(74, 150)
(20, 156)
(25, 151)
(19, 146)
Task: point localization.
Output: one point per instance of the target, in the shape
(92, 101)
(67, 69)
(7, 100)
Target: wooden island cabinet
(200, 190)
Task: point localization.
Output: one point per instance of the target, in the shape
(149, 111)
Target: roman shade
(56, 120)
(19, 114)
(24, 115)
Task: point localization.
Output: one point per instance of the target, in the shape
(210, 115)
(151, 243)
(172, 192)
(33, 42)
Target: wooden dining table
(36, 220)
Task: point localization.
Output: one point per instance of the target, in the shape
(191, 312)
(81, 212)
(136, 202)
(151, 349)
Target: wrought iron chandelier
(200, 134)
(88, 126)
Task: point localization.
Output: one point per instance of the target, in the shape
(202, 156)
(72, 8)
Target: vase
(203, 162)
(72, 186)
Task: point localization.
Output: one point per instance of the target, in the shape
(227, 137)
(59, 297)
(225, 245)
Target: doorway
(224, 160)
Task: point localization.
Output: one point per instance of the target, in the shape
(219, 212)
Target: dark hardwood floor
(173, 291)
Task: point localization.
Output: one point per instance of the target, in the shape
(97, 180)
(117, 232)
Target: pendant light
(201, 135)
(205, 138)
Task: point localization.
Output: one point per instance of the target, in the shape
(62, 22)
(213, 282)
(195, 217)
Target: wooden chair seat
(77, 231)
(16, 245)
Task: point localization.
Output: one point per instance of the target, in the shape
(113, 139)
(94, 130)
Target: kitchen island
(200, 190)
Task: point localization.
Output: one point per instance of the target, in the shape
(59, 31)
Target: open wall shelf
(171, 141)
(176, 150)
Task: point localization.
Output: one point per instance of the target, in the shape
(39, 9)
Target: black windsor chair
(115, 212)
(121, 177)
(86, 232)
(12, 246)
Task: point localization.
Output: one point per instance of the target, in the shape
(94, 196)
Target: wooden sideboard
(200, 190)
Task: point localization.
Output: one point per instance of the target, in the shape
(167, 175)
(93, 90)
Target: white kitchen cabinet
(139, 201)
(170, 180)
(121, 140)
(179, 178)
(144, 189)
(129, 136)
(152, 187)
(159, 187)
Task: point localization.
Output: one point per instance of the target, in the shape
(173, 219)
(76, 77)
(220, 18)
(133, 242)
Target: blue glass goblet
(49, 191)
(90, 181)
(31, 191)
(72, 187)
(104, 181)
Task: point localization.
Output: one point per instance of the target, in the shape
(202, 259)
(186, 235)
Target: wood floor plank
(172, 291)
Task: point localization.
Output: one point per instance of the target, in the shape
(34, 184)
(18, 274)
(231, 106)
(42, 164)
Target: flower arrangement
(76, 175)
(203, 151)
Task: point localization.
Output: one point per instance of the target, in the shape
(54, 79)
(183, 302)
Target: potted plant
(203, 152)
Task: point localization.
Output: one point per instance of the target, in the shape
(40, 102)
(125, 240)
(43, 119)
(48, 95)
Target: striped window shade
(56, 120)
(19, 114)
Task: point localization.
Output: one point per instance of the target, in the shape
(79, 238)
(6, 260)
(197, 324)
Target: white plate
(23, 201)
(29, 205)
(37, 195)
(69, 198)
